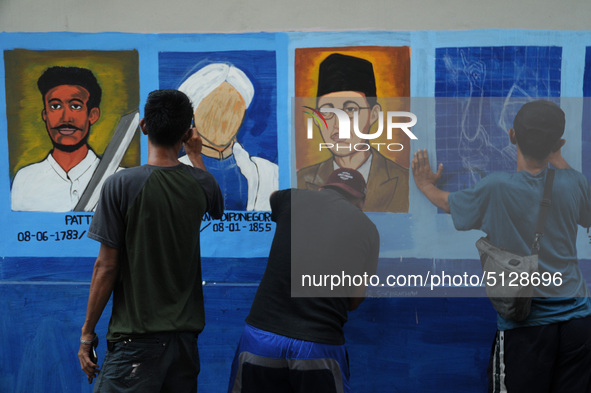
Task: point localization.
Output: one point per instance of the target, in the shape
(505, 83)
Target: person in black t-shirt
(324, 243)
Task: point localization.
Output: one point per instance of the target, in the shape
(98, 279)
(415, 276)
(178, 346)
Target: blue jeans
(164, 362)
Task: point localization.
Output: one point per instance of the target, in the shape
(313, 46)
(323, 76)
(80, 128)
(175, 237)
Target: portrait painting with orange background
(117, 73)
(391, 67)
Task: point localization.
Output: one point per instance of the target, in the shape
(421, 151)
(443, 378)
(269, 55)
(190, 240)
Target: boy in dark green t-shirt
(147, 221)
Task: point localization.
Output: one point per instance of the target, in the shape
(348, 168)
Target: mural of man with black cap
(348, 83)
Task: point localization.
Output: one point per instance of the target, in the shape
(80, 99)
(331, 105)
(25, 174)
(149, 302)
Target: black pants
(553, 358)
(156, 363)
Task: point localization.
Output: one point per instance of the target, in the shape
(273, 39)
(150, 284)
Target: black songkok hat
(346, 73)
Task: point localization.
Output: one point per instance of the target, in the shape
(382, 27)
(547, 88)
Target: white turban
(200, 84)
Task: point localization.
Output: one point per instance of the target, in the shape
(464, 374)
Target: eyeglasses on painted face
(349, 108)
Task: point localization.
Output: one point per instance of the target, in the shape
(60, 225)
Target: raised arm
(193, 145)
(426, 180)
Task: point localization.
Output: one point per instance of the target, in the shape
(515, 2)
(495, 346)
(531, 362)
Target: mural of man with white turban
(220, 94)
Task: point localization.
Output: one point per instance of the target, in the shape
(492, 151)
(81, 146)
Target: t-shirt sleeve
(467, 206)
(213, 194)
(215, 200)
(277, 201)
(107, 225)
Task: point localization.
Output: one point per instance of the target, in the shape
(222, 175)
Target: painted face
(66, 115)
(350, 102)
(219, 116)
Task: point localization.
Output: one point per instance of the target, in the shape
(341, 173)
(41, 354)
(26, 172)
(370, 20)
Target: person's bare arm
(193, 145)
(426, 180)
(104, 276)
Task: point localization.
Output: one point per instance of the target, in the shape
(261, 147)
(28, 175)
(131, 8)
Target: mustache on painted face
(67, 129)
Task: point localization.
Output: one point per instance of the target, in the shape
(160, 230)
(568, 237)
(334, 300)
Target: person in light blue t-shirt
(550, 351)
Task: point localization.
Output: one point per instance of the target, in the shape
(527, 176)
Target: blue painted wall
(395, 344)
(401, 344)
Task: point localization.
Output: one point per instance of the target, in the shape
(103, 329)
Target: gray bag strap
(544, 205)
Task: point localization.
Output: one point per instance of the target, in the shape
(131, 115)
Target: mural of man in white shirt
(71, 98)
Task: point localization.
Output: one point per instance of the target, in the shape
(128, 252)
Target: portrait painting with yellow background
(117, 73)
(391, 67)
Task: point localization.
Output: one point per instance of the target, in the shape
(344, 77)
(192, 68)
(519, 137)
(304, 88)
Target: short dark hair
(538, 126)
(76, 76)
(167, 116)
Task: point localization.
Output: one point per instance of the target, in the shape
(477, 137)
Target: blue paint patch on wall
(420, 345)
(233, 270)
(39, 334)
